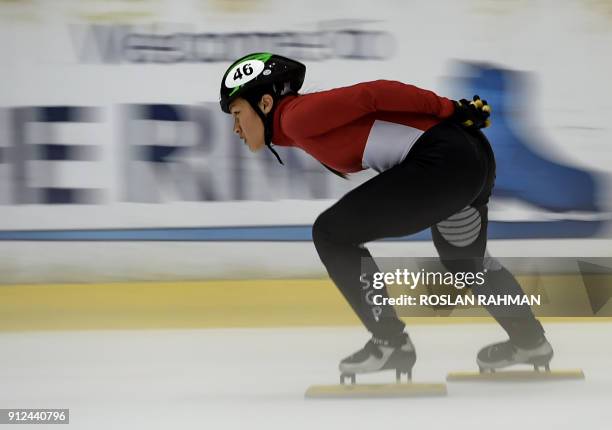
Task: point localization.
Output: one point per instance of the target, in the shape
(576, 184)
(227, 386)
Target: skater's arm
(317, 113)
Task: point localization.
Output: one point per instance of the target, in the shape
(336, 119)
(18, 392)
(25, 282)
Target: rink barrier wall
(149, 154)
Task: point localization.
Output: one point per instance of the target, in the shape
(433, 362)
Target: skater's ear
(266, 103)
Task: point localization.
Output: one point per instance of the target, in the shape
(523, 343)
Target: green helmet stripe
(235, 90)
(262, 56)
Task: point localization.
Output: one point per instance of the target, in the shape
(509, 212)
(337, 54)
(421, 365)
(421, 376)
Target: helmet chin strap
(267, 121)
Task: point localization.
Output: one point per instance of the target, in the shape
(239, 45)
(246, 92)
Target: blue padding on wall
(294, 233)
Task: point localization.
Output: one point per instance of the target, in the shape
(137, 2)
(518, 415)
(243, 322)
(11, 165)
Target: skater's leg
(443, 173)
(461, 243)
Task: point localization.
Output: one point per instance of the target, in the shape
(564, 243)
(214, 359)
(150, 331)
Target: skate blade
(375, 391)
(516, 375)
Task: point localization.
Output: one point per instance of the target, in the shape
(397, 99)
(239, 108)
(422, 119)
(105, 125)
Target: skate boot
(504, 354)
(381, 354)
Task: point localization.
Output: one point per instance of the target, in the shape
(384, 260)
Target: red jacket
(371, 124)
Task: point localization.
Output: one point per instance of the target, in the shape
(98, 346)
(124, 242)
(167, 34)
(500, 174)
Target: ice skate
(378, 355)
(505, 354)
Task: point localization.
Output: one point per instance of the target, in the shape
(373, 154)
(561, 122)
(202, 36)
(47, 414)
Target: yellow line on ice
(226, 303)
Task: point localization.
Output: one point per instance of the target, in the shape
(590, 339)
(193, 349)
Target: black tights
(443, 184)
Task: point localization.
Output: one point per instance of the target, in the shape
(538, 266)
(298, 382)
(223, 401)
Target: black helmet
(263, 71)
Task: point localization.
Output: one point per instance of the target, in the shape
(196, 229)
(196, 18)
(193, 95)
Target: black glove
(472, 115)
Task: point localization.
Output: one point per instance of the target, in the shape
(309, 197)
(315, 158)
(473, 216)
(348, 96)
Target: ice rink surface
(256, 378)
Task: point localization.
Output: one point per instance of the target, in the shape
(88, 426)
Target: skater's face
(247, 124)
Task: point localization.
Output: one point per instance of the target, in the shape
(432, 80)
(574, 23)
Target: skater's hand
(472, 115)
